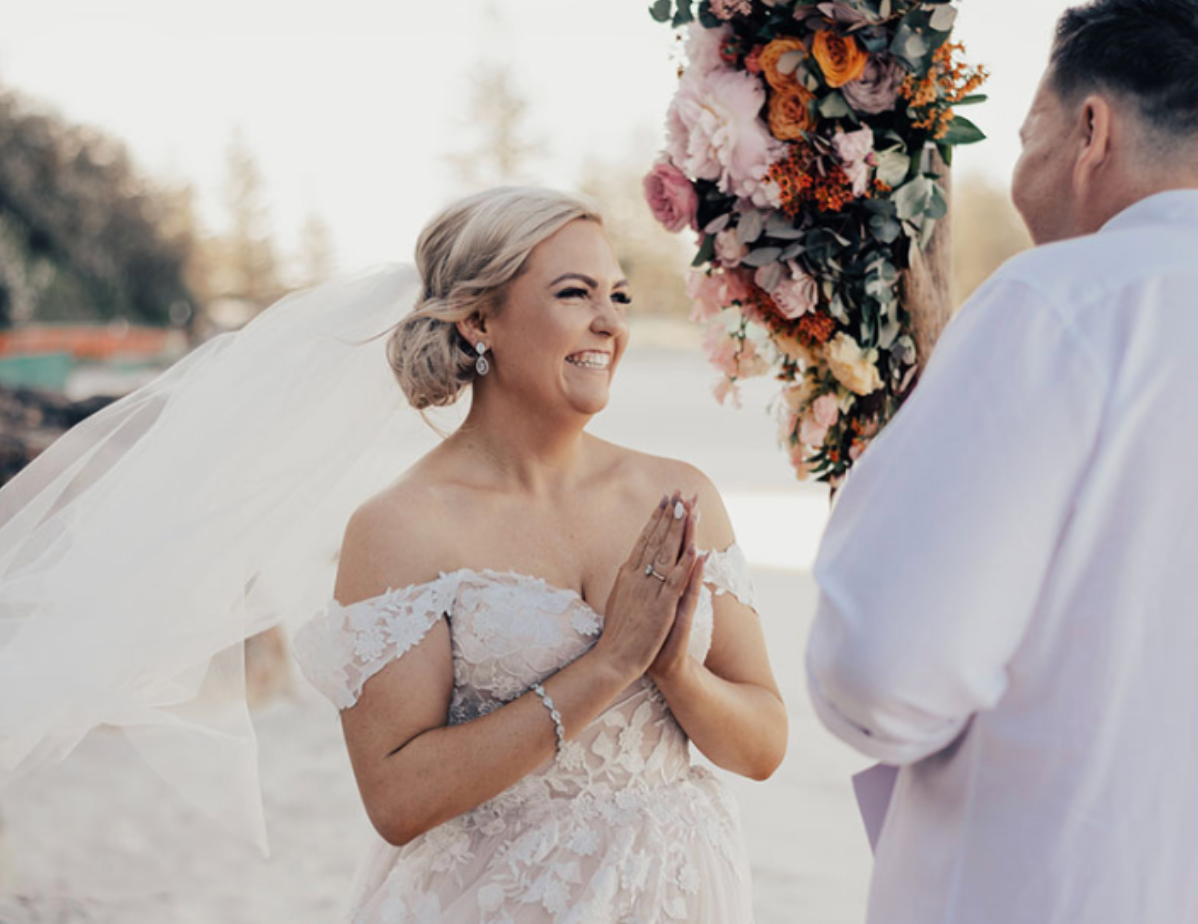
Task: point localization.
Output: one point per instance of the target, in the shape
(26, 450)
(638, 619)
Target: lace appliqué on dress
(728, 572)
(342, 647)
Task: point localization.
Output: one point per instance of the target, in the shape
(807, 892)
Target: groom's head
(1115, 118)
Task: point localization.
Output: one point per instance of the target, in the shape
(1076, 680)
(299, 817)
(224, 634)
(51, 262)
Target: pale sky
(350, 106)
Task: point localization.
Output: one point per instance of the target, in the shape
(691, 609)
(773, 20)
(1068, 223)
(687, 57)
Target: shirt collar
(1176, 206)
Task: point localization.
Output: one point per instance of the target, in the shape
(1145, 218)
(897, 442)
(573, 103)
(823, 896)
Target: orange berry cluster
(816, 328)
(947, 82)
(799, 184)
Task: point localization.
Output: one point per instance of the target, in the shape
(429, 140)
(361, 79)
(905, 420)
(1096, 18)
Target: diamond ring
(650, 571)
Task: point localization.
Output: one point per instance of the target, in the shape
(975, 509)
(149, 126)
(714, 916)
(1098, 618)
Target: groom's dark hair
(1146, 50)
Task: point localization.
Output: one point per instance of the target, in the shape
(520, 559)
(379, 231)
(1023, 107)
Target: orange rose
(840, 57)
(772, 54)
(790, 112)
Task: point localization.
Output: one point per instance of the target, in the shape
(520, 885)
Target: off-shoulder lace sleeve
(342, 647)
(728, 572)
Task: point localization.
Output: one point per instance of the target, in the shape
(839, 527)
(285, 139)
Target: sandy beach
(99, 839)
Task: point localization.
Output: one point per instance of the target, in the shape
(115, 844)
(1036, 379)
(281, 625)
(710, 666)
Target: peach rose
(772, 54)
(853, 367)
(840, 57)
(790, 113)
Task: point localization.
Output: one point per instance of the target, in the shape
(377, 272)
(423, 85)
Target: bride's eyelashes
(620, 298)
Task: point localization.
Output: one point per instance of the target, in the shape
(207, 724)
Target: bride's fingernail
(679, 510)
(665, 499)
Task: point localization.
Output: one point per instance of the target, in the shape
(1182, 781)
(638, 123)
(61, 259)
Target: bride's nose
(609, 319)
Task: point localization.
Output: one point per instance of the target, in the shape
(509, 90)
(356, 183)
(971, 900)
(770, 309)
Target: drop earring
(481, 366)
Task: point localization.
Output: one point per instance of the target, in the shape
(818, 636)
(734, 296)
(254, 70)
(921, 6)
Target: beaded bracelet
(553, 714)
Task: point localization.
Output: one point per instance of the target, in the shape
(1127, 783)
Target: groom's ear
(1095, 124)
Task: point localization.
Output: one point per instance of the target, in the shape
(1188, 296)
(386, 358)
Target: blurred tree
(987, 231)
(317, 258)
(654, 259)
(502, 153)
(243, 262)
(81, 231)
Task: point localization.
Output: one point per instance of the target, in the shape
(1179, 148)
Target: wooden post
(926, 286)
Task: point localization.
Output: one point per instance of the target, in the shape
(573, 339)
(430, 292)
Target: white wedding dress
(618, 828)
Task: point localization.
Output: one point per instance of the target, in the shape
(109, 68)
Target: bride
(520, 655)
(527, 627)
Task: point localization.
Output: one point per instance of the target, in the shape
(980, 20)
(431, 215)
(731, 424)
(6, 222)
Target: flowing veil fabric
(145, 545)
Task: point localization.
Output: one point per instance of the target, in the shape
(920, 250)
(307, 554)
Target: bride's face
(562, 330)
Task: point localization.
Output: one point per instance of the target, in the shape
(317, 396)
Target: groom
(1009, 606)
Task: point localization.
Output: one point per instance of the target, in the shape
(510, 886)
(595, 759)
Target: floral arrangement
(801, 148)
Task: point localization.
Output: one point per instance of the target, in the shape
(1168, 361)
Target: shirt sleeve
(941, 538)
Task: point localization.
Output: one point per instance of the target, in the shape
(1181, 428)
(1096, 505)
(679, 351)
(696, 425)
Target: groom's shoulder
(1077, 274)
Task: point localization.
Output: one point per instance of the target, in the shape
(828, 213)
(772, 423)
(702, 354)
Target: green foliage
(78, 216)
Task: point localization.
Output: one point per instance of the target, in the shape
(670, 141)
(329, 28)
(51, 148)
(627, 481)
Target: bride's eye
(622, 298)
(572, 293)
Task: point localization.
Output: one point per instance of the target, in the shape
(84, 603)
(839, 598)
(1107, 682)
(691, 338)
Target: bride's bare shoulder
(651, 476)
(402, 535)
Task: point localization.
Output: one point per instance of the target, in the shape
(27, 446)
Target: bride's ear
(473, 328)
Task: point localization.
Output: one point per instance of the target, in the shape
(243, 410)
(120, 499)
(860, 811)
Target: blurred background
(169, 170)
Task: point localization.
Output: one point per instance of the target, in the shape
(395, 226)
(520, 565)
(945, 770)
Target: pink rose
(796, 295)
(714, 132)
(877, 89)
(671, 197)
(728, 248)
(721, 349)
(711, 293)
(826, 410)
(811, 433)
(855, 151)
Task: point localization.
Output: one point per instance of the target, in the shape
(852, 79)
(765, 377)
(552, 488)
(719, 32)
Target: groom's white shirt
(1009, 601)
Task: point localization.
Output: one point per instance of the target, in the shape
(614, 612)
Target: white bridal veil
(141, 549)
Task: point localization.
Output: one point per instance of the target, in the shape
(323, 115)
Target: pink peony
(703, 47)
(796, 295)
(728, 248)
(671, 197)
(714, 133)
(877, 89)
(855, 152)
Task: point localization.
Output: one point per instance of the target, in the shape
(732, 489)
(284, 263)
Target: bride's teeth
(590, 360)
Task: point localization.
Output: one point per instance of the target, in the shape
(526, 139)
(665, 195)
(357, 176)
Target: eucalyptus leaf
(889, 333)
(836, 309)
(943, 18)
(938, 208)
(792, 251)
(706, 251)
(749, 228)
(761, 256)
(893, 167)
(683, 15)
(912, 200)
(916, 47)
(769, 276)
(789, 61)
(661, 10)
(833, 106)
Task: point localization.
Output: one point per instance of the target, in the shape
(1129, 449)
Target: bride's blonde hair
(466, 256)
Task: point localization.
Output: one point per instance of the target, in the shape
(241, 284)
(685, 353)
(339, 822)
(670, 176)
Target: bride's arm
(413, 771)
(729, 705)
